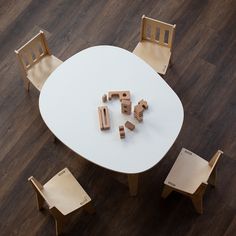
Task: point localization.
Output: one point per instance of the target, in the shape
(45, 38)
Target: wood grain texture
(203, 75)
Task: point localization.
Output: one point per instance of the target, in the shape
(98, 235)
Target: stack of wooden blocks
(126, 108)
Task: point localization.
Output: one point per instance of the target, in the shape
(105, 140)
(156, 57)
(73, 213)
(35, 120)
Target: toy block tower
(126, 106)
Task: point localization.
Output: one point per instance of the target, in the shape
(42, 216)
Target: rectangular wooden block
(143, 103)
(104, 98)
(129, 125)
(113, 94)
(122, 95)
(104, 118)
(126, 106)
(122, 131)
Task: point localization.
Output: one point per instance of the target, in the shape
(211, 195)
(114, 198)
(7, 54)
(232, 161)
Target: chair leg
(197, 202)
(170, 63)
(197, 198)
(166, 191)
(89, 208)
(27, 84)
(212, 178)
(59, 222)
(133, 184)
(40, 201)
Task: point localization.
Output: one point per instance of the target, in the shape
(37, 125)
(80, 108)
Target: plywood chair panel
(188, 172)
(63, 195)
(31, 55)
(157, 57)
(156, 41)
(41, 70)
(190, 175)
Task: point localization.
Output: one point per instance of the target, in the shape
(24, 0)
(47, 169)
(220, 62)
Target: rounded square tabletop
(71, 95)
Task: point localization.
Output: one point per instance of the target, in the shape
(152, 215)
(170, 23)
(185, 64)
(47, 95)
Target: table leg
(133, 184)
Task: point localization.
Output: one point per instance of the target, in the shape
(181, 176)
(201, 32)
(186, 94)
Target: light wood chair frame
(31, 53)
(165, 30)
(60, 219)
(197, 196)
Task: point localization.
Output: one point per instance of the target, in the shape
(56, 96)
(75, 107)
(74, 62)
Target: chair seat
(188, 172)
(155, 55)
(65, 193)
(39, 72)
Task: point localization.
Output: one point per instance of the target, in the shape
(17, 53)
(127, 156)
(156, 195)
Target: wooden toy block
(129, 125)
(139, 118)
(104, 119)
(138, 112)
(122, 131)
(113, 94)
(122, 95)
(126, 106)
(143, 103)
(104, 98)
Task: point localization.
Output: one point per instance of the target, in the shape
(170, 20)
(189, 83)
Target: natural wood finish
(104, 117)
(122, 131)
(122, 95)
(203, 76)
(138, 113)
(126, 107)
(156, 42)
(36, 61)
(143, 103)
(133, 184)
(63, 195)
(129, 125)
(189, 176)
(104, 98)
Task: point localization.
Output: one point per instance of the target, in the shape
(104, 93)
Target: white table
(71, 95)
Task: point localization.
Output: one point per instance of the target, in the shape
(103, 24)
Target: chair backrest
(32, 51)
(157, 31)
(215, 158)
(38, 187)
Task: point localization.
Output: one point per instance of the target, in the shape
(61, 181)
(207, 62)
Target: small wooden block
(139, 118)
(113, 94)
(104, 119)
(143, 103)
(129, 125)
(104, 98)
(138, 112)
(122, 95)
(122, 131)
(126, 106)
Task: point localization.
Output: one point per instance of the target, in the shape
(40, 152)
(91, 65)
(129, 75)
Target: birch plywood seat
(63, 195)
(190, 175)
(36, 61)
(155, 44)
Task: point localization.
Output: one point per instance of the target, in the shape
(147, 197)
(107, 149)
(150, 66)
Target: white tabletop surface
(71, 95)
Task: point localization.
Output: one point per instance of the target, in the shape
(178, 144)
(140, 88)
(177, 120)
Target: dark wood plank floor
(203, 75)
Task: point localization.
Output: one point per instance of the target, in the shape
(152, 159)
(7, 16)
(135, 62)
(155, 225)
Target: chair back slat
(160, 32)
(33, 51)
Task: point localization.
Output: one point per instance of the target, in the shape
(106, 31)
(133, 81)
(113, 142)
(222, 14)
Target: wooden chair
(36, 61)
(156, 41)
(63, 195)
(190, 176)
